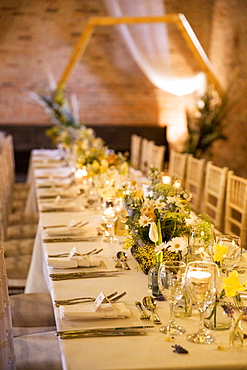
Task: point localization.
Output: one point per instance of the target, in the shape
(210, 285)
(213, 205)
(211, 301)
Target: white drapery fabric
(149, 45)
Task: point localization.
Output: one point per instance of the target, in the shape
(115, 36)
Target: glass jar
(183, 307)
(215, 317)
(236, 335)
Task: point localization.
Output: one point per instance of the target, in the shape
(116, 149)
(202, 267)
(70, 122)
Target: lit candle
(109, 213)
(177, 184)
(80, 174)
(166, 179)
(200, 281)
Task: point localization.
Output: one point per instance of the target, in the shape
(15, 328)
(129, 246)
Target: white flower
(159, 204)
(153, 232)
(201, 251)
(171, 200)
(177, 244)
(144, 220)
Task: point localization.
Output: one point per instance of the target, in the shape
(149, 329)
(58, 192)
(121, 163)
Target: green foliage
(206, 125)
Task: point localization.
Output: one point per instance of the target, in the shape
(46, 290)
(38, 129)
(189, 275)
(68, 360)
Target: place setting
(73, 231)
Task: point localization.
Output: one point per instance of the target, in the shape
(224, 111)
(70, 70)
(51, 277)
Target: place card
(99, 300)
(72, 252)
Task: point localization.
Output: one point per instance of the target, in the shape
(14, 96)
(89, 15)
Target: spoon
(118, 263)
(150, 304)
(122, 256)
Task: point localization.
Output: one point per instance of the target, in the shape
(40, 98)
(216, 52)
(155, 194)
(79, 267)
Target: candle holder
(201, 281)
(109, 215)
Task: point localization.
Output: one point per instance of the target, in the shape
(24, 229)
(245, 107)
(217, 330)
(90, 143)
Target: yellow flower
(153, 232)
(219, 252)
(231, 284)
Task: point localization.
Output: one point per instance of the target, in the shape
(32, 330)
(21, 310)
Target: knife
(96, 330)
(103, 334)
(65, 209)
(72, 239)
(82, 275)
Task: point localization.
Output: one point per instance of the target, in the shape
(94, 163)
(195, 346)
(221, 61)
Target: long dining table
(154, 350)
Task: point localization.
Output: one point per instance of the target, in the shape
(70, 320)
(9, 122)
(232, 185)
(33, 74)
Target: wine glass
(201, 244)
(233, 251)
(201, 281)
(109, 216)
(171, 278)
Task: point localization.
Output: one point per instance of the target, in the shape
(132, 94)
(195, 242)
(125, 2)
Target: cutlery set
(121, 260)
(149, 303)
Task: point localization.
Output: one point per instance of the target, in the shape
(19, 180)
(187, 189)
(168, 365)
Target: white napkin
(53, 173)
(64, 231)
(61, 204)
(75, 261)
(85, 311)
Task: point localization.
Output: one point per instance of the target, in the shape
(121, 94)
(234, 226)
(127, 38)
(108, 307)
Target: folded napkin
(50, 192)
(85, 311)
(75, 261)
(64, 231)
(63, 204)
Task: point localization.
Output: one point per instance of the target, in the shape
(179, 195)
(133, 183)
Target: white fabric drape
(149, 45)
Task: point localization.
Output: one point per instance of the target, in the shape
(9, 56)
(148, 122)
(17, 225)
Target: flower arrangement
(64, 114)
(230, 288)
(87, 150)
(157, 221)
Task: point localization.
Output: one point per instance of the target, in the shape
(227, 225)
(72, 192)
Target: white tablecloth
(153, 351)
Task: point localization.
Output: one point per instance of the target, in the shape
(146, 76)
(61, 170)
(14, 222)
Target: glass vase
(183, 307)
(236, 334)
(215, 317)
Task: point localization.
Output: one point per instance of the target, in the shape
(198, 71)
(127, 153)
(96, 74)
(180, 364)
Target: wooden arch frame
(178, 19)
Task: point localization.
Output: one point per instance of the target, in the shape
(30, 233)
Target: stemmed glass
(201, 244)
(201, 280)
(233, 252)
(171, 278)
(109, 216)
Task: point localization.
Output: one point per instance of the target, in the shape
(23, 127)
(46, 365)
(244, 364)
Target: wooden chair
(236, 207)
(146, 155)
(158, 156)
(215, 194)
(135, 151)
(194, 183)
(177, 166)
(34, 351)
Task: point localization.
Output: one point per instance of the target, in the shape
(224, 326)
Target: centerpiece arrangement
(82, 147)
(157, 220)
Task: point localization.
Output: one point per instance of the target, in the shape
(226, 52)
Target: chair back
(158, 156)
(194, 183)
(135, 151)
(236, 207)
(215, 194)
(146, 155)
(177, 166)
(7, 354)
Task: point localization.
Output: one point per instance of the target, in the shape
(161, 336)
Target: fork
(73, 301)
(144, 315)
(90, 253)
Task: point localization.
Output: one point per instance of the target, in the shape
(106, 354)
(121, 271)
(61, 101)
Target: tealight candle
(80, 174)
(177, 184)
(166, 179)
(200, 280)
(109, 213)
